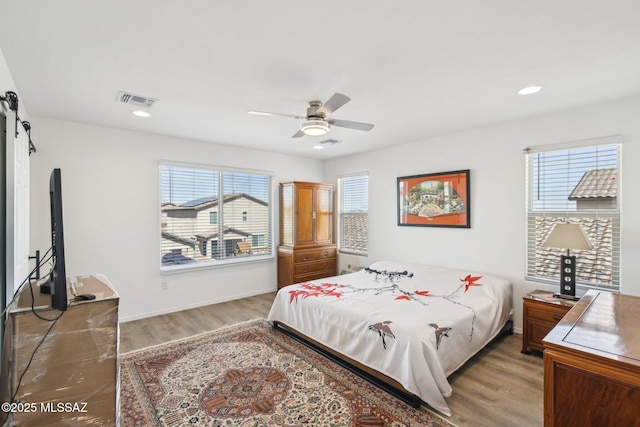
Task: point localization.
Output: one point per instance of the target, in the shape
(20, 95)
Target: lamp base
(568, 276)
(567, 297)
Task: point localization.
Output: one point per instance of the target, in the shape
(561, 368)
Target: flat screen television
(56, 283)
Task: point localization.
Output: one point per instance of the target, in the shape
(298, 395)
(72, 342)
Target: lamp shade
(568, 236)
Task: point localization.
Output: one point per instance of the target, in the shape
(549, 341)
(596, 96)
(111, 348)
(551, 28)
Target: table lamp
(567, 236)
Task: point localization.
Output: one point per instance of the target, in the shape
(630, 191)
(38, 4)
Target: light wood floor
(498, 387)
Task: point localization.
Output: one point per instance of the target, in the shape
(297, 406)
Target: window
(257, 240)
(207, 212)
(577, 183)
(353, 228)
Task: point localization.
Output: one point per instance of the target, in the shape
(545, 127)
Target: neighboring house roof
(356, 226)
(227, 232)
(178, 239)
(599, 230)
(209, 201)
(199, 201)
(596, 184)
(174, 258)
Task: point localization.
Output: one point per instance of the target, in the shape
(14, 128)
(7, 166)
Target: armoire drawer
(312, 267)
(314, 254)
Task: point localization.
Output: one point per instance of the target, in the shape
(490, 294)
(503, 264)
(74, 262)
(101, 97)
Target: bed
(408, 325)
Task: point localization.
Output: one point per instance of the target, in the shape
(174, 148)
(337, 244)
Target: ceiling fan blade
(332, 104)
(351, 125)
(298, 134)
(264, 113)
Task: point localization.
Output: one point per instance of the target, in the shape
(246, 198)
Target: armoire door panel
(305, 215)
(324, 215)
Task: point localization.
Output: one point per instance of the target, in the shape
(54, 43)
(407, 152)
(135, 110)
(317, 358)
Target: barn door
(17, 204)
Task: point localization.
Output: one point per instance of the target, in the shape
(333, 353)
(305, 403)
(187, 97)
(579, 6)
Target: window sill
(342, 251)
(185, 268)
(579, 285)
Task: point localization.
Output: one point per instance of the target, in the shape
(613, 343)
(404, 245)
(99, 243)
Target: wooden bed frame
(386, 383)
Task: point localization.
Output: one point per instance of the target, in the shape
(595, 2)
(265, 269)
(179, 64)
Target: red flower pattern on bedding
(313, 290)
(306, 290)
(470, 281)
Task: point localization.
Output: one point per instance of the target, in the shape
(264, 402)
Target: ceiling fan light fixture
(314, 127)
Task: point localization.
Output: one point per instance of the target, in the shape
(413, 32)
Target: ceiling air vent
(330, 142)
(136, 100)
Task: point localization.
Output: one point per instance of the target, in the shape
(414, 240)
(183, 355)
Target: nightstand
(541, 311)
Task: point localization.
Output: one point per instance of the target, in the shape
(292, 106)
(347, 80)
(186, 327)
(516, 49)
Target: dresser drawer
(314, 254)
(316, 266)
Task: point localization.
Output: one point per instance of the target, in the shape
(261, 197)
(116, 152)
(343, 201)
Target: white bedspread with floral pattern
(415, 323)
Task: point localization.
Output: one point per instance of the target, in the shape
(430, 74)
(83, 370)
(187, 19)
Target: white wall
(110, 187)
(496, 241)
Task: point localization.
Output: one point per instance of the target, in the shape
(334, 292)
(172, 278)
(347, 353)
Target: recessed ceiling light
(529, 90)
(318, 147)
(141, 113)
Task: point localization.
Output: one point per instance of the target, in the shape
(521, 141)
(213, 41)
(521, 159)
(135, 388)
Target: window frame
(532, 213)
(341, 203)
(269, 255)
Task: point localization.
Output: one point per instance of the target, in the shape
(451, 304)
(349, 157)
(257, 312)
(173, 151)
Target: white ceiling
(415, 69)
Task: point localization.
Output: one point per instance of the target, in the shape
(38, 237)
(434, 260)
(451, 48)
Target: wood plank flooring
(498, 387)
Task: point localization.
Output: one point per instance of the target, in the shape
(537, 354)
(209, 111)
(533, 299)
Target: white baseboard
(189, 306)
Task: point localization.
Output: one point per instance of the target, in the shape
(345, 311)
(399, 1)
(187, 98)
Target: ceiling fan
(317, 122)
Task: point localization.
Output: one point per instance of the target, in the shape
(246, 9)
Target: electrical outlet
(164, 284)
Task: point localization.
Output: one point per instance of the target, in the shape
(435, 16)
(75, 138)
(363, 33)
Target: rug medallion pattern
(251, 375)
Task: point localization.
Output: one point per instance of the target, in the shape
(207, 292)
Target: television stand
(73, 376)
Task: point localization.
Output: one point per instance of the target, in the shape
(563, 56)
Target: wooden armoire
(306, 250)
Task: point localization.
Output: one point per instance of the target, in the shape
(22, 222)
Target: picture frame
(435, 200)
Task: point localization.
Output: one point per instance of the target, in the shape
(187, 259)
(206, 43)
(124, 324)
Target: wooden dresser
(592, 363)
(306, 250)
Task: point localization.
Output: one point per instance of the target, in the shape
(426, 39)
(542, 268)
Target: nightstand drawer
(541, 311)
(537, 332)
(545, 313)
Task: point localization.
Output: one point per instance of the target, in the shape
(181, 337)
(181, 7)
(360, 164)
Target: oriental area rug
(251, 375)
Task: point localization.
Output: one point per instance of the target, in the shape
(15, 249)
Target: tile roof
(593, 266)
(596, 183)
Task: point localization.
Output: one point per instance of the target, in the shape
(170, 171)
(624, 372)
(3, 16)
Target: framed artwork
(435, 200)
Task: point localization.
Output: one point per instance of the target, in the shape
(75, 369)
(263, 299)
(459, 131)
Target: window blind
(575, 185)
(353, 227)
(209, 216)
